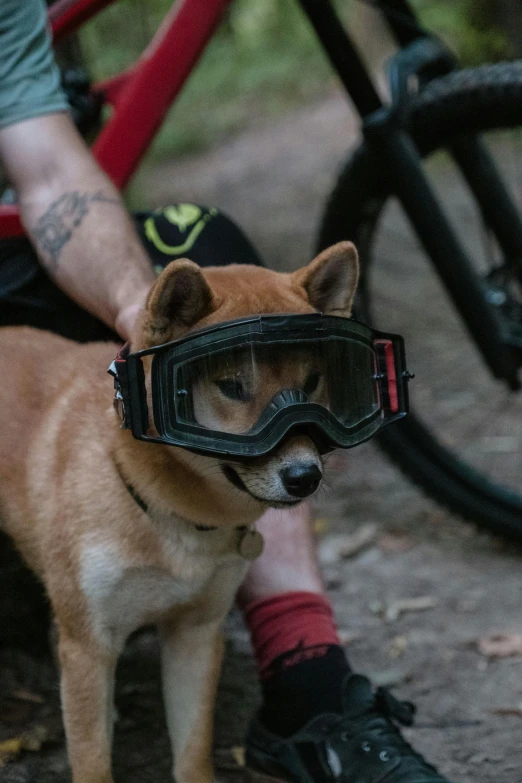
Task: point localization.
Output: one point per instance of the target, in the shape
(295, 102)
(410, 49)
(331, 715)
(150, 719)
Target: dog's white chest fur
(123, 593)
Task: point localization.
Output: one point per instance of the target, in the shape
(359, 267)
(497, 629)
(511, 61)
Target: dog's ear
(177, 300)
(330, 280)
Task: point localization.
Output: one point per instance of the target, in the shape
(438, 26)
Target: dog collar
(250, 544)
(145, 508)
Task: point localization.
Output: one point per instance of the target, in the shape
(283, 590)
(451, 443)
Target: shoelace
(378, 723)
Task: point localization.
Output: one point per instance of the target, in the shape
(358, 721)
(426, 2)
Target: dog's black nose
(301, 478)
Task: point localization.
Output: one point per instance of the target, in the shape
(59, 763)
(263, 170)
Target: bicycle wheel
(463, 441)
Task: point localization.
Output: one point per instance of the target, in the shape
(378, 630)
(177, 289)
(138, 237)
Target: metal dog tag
(251, 545)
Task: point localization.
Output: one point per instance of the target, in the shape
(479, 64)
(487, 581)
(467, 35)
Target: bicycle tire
(470, 101)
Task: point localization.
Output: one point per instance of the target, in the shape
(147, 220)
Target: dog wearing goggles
(125, 533)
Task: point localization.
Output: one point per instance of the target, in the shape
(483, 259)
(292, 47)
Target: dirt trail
(273, 180)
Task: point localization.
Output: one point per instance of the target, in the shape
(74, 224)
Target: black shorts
(29, 297)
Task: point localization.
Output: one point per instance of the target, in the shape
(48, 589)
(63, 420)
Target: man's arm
(76, 219)
(70, 209)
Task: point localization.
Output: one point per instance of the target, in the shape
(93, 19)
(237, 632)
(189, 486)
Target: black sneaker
(363, 745)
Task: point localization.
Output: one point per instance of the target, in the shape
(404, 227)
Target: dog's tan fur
(108, 566)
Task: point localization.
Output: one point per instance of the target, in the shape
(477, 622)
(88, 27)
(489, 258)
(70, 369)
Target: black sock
(303, 683)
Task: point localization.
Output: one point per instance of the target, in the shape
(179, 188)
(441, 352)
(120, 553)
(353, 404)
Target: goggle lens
(238, 389)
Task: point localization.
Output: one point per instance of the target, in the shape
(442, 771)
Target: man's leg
(319, 721)
(300, 660)
(289, 559)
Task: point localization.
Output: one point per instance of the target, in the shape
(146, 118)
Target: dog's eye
(233, 389)
(312, 382)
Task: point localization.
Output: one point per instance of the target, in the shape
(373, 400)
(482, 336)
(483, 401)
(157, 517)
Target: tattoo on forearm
(55, 228)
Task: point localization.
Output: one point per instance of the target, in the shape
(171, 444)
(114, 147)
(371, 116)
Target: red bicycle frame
(142, 95)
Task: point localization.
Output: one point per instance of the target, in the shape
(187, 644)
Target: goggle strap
(386, 354)
(118, 370)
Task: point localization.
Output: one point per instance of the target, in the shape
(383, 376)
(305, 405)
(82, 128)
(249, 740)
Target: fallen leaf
(23, 695)
(501, 645)
(478, 758)
(31, 740)
(320, 526)
(238, 754)
(516, 711)
(345, 545)
(363, 537)
(9, 749)
(398, 647)
(395, 542)
(396, 608)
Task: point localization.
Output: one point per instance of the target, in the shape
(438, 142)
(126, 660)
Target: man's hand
(76, 219)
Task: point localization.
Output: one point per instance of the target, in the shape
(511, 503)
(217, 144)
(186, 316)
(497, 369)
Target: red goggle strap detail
(391, 374)
(124, 351)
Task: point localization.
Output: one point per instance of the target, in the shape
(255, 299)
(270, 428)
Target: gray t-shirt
(29, 76)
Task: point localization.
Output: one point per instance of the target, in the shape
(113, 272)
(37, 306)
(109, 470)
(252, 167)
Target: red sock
(298, 626)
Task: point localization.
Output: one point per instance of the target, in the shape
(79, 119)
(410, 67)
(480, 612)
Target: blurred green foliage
(263, 60)
(468, 26)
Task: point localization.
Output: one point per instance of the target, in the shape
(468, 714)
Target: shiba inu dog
(124, 532)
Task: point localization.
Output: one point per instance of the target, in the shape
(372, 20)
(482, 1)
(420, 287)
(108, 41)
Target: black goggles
(238, 388)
